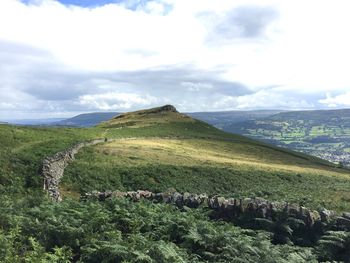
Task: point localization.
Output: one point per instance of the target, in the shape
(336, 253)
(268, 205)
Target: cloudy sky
(61, 58)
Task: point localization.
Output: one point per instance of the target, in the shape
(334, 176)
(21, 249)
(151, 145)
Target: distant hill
(221, 119)
(218, 119)
(35, 122)
(322, 133)
(87, 119)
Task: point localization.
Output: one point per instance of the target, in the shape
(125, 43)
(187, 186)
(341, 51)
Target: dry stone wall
(52, 167)
(239, 208)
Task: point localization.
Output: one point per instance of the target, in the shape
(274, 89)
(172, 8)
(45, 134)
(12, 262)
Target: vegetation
(208, 166)
(174, 152)
(325, 134)
(121, 231)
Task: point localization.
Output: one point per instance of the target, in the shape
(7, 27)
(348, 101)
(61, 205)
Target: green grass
(23, 148)
(155, 152)
(208, 166)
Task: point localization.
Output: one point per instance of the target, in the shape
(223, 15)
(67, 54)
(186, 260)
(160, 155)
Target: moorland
(159, 149)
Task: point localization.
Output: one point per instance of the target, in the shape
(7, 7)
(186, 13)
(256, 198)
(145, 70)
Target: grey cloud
(36, 72)
(244, 22)
(33, 81)
(169, 80)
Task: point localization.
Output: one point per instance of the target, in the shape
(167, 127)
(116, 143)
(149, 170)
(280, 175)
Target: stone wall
(234, 208)
(52, 167)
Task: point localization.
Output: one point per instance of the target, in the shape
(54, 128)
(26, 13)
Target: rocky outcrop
(52, 167)
(234, 208)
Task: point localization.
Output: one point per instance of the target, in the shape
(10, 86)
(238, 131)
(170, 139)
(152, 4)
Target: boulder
(326, 215)
(343, 222)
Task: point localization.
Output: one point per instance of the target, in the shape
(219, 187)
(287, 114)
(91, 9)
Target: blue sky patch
(89, 3)
(83, 3)
(129, 4)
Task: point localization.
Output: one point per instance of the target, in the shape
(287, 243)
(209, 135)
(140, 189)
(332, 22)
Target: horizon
(185, 112)
(60, 57)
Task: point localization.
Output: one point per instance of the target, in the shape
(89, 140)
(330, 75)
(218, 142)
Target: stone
(52, 168)
(178, 199)
(326, 215)
(344, 222)
(229, 208)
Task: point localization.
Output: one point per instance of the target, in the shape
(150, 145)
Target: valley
(325, 134)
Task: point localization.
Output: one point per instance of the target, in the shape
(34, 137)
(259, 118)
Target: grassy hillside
(189, 155)
(157, 149)
(155, 116)
(23, 148)
(237, 169)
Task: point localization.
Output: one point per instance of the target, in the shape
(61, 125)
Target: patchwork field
(325, 134)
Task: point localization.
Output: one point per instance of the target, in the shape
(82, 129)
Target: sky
(62, 58)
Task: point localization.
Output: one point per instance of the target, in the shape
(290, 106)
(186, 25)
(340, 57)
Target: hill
(161, 149)
(322, 133)
(218, 119)
(176, 151)
(221, 119)
(142, 118)
(34, 122)
(87, 119)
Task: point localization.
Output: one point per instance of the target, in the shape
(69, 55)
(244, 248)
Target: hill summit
(163, 109)
(158, 115)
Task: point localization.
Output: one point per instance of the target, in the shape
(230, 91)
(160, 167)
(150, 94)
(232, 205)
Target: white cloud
(57, 55)
(336, 101)
(263, 99)
(115, 101)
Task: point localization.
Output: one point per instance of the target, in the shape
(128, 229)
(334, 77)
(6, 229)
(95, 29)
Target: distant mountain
(221, 119)
(322, 133)
(87, 119)
(218, 119)
(48, 121)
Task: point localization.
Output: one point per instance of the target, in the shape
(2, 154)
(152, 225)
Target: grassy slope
(23, 148)
(190, 154)
(175, 151)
